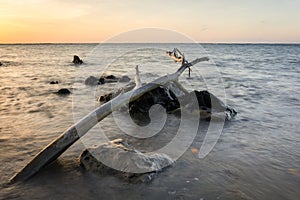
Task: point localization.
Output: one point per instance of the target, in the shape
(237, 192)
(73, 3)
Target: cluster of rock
(62, 91)
(118, 158)
(164, 95)
(93, 81)
(66, 91)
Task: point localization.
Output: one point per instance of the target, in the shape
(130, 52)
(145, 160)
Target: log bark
(52, 151)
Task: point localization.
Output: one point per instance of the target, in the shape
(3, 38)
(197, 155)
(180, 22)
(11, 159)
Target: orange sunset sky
(29, 21)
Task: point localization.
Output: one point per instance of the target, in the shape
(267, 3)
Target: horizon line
(83, 43)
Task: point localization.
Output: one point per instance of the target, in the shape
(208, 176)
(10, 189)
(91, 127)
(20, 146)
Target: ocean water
(257, 155)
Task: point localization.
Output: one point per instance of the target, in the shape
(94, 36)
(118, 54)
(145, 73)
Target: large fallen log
(52, 151)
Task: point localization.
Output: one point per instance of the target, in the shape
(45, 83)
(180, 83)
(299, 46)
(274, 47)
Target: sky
(43, 21)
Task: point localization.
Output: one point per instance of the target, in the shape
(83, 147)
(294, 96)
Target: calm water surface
(256, 157)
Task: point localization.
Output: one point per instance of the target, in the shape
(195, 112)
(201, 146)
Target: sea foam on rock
(119, 159)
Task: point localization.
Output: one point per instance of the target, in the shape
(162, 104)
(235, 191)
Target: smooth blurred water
(256, 157)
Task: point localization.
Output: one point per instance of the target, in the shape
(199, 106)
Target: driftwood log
(52, 151)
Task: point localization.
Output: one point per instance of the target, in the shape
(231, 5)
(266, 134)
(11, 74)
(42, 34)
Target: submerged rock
(124, 79)
(53, 82)
(119, 159)
(92, 80)
(77, 60)
(208, 104)
(63, 91)
(105, 98)
(110, 77)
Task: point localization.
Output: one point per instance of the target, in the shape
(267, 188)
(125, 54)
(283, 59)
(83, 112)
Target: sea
(255, 155)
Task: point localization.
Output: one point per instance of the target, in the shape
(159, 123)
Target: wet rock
(63, 91)
(118, 158)
(139, 109)
(92, 80)
(101, 81)
(6, 63)
(105, 98)
(53, 82)
(77, 60)
(208, 104)
(165, 96)
(124, 79)
(230, 112)
(110, 77)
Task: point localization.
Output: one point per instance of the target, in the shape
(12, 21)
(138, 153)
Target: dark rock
(105, 98)
(63, 91)
(208, 104)
(165, 96)
(1, 64)
(101, 81)
(110, 77)
(53, 82)
(230, 112)
(203, 99)
(124, 79)
(139, 109)
(117, 158)
(92, 80)
(77, 60)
